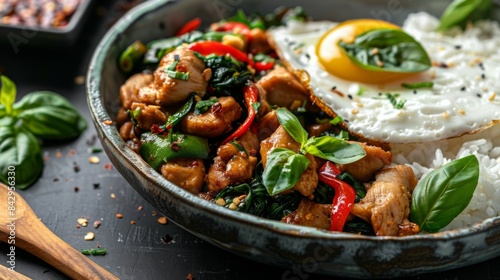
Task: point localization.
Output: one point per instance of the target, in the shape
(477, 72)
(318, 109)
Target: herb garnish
(43, 114)
(418, 85)
(203, 105)
(173, 73)
(460, 12)
(95, 252)
(444, 193)
(387, 50)
(397, 104)
(285, 167)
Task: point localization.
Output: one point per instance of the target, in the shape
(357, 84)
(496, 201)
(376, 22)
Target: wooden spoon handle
(6, 273)
(34, 237)
(44, 244)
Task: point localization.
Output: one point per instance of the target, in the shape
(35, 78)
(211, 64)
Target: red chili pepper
(344, 195)
(251, 94)
(191, 25)
(236, 27)
(263, 66)
(208, 47)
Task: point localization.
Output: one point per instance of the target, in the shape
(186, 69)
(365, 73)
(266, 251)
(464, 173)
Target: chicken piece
(387, 202)
(268, 125)
(364, 169)
(187, 173)
(130, 89)
(259, 42)
(213, 122)
(264, 107)
(250, 142)
(316, 129)
(283, 89)
(281, 139)
(148, 115)
(128, 134)
(122, 116)
(166, 90)
(232, 166)
(310, 214)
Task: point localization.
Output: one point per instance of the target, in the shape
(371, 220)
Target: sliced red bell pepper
(212, 47)
(191, 25)
(344, 195)
(263, 66)
(235, 27)
(251, 95)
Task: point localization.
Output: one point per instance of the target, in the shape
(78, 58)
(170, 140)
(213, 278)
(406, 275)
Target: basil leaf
(3, 111)
(444, 193)
(21, 149)
(292, 125)
(389, 50)
(50, 116)
(459, 12)
(7, 94)
(283, 170)
(334, 149)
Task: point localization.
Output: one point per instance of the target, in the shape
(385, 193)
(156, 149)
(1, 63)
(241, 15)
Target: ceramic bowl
(300, 249)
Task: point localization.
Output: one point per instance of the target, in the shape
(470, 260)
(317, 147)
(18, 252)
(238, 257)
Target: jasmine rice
(485, 145)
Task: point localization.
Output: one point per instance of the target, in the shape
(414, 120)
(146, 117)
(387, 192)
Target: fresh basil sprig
(49, 116)
(285, 167)
(444, 193)
(459, 12)
(20, 148)
(389, 50)
(44, 115)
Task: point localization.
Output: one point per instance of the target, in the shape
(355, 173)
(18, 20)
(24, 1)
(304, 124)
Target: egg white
(466, 77)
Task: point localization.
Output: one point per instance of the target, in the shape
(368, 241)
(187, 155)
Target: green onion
(418, 85)
(94, 252)
(178, 75)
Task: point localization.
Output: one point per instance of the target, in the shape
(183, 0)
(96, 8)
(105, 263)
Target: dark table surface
(138, 245)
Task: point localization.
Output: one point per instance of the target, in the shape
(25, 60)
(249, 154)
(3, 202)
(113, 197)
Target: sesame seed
(462, 88)
(334, 87)
(479, 95)
(492, 97)
(483, 76)
(349, 96)
(443, 65)
(458, 47)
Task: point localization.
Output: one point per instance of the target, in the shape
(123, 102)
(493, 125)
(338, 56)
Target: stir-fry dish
(219, 112)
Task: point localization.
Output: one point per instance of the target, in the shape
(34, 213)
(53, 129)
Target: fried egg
(465, 74)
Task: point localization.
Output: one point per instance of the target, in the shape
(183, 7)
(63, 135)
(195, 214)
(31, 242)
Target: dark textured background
(71, 187)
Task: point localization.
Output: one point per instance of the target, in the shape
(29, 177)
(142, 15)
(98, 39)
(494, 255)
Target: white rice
(425, 157)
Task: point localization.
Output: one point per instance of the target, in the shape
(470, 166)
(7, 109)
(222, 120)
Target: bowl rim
(101, 118)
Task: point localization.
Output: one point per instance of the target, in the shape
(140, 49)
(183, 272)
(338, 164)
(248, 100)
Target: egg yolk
(338, 63)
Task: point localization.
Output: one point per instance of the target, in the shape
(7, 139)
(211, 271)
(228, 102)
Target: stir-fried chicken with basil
(219, 115)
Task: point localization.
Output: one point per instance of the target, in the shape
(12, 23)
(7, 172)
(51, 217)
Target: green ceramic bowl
(298, 248)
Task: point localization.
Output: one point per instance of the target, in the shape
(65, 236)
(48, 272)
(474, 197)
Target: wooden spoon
(33, 236)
